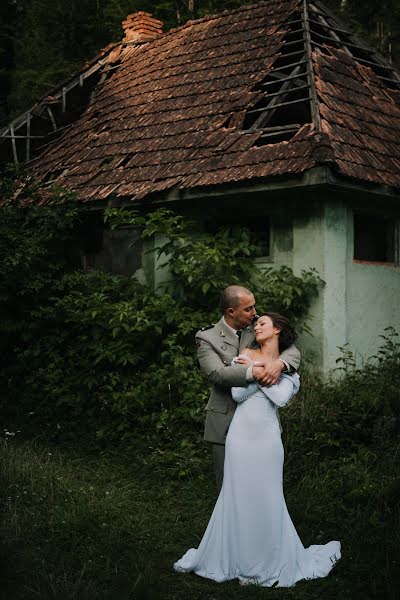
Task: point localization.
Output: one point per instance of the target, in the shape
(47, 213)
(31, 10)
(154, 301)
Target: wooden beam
(331, 27)
(52, 119)
(28, 139)
(323, 10)
(281, 127)
(288, 91)
(22, 137)
(326, 25)
(13, 144)
(64, 99)
(299, 62)
(256, 110)
(301, 51)
(314, 104)
(274, 103)
(283, 78)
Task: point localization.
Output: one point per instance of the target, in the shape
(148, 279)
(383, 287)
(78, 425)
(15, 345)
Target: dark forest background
(44, 41)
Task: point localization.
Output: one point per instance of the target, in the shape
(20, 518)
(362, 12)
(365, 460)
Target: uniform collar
(228, 326)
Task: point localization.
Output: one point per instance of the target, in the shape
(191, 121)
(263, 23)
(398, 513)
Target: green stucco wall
(358, 300)
(316, 230)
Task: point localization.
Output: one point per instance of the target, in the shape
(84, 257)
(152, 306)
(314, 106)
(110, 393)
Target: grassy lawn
(110, 525)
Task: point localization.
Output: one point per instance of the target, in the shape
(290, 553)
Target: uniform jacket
(216, 347)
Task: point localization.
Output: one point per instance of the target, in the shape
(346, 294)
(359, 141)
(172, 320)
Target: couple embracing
(253, 370)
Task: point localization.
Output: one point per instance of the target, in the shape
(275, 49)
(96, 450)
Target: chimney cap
(141, 27)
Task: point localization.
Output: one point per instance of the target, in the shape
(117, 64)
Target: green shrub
(357, 406)
(102, 356)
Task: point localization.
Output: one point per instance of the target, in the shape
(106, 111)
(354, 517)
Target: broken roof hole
(123, 161)
(107, 160)
(326, 30)
(52, 175)
(285, 105)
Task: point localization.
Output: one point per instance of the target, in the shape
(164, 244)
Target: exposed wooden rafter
(314, 104)
(22, 126)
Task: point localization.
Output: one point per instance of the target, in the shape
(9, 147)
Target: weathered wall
(373, 298)
(316, 230)
(358, 300)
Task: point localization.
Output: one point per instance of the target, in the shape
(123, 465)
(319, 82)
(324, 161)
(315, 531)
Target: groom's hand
(268, 372)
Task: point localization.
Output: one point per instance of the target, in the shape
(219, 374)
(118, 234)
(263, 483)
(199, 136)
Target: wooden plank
(256, 110)
(34, 110)
(294, 22)
(13, 144)
(281, 127)
(331, 27)
(299, 41)
(64, 99)
(299, 62)
(273, 104)
(316, 119)
(278, 78)
(293, 89)
(300, 30)
(374, 64)
(275, 133)
(28, 139)
(52, 119)
(22, 137)
(326, 25)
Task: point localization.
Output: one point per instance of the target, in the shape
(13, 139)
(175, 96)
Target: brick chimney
(140, 27)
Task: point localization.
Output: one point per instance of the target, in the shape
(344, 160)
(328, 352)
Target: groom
(217, 345)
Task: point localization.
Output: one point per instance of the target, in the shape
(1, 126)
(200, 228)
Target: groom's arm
(268, 372)
(217, 371)
(291, 356)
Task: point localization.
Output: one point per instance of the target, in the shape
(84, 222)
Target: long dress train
(250, 535)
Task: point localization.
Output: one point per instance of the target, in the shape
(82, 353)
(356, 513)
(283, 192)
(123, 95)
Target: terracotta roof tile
(172, 112)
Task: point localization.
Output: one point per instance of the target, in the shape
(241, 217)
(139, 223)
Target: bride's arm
(281, 393)
(239, 394)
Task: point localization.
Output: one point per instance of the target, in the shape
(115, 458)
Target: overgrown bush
(102, 356)
(358, 406)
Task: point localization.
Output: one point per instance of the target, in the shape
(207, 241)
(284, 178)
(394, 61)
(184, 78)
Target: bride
(250, 535)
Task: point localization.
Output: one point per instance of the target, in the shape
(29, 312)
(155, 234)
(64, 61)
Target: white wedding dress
(250, 535)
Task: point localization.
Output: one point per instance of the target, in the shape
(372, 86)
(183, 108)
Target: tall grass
(102, 525)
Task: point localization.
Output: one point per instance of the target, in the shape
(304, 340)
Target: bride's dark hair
(287, 335)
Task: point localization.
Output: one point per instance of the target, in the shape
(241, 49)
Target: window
(375, 239)
(91, 232)
(259, 228)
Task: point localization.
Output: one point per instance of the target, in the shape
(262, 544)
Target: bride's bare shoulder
(248, 352)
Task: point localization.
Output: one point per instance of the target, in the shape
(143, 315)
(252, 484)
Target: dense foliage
(43, 41)
(103, 355)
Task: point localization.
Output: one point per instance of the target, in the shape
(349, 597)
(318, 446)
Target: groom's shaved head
(231, 296)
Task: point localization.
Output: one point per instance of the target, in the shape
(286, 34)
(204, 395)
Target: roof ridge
(218, 15)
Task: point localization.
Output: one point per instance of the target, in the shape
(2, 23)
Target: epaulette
(208, 327)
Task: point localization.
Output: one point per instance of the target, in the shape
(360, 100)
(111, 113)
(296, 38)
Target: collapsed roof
(270, 89)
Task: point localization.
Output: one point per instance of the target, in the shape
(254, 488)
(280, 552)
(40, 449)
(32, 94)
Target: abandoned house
(273, 115)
